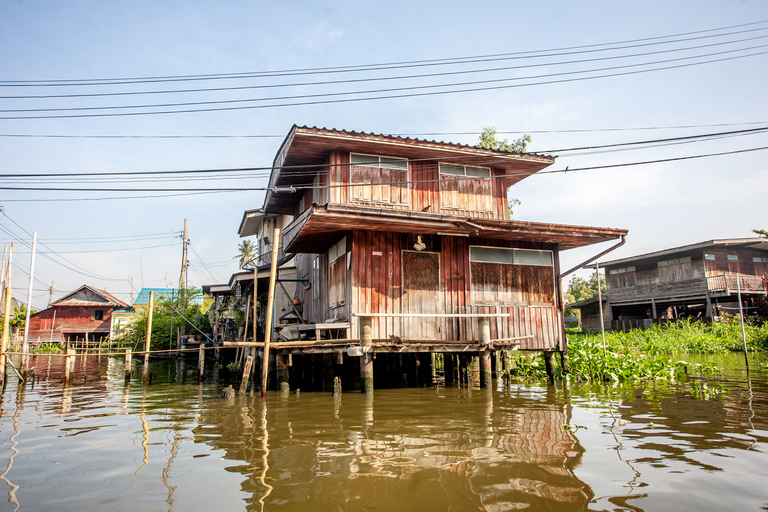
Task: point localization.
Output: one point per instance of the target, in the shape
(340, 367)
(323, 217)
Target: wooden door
(421, 295)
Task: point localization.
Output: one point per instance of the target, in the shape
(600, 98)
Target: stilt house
(416, 236)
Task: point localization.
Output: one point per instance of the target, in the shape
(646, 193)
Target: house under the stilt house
(404, 249)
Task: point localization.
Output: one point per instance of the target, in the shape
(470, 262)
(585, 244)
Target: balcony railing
(731, 283)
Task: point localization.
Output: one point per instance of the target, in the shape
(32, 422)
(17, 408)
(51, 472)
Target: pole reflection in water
(144, 428)
(4, 477)
(264, 456)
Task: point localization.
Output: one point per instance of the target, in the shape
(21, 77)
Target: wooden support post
(484, 328)
(201, 362)
(246, 373)
(255, 300)
(366, 361)
(247, 313)
(549, 365)
(128, 364)
(270, 311)
(6, 315)
(69, 365)
(148, 338)
(283, 374)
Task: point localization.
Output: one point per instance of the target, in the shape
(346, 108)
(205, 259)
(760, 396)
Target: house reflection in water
(462, 451)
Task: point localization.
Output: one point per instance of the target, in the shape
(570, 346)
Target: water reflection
(126, 446)
(462, 450)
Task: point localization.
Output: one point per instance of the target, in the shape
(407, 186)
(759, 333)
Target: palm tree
(248, 251)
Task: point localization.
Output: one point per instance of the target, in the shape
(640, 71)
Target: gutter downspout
(593, 258)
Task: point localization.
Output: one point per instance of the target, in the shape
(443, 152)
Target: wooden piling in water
(366, 361)
(549, 365)
(485, 370)
(246, 373)
(128, 363)
(201, 362)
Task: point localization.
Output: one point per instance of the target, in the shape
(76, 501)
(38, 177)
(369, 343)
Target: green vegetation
(247, 252)
(488, 140)
(651, 354)
(167, 323)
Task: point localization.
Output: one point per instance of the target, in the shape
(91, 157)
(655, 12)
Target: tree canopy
(489, 140)
(248, 251)
(580, 289)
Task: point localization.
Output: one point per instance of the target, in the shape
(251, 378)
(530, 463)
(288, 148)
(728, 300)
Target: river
(173, 444)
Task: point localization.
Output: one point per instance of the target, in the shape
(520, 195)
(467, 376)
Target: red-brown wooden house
(82, 315)
(392, 227)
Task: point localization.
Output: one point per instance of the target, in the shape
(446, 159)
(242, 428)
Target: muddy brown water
(174, 444)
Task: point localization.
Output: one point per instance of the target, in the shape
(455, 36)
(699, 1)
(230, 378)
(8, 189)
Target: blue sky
(662, 205)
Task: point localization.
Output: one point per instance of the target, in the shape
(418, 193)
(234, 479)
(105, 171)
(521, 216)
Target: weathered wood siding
(424, 192)
(377, 288)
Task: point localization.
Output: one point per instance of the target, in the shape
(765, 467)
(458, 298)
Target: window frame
(380, 164)
(504, 297)
(446, 196)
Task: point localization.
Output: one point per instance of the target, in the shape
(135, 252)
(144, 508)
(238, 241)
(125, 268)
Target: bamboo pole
(247, 314)
(149, 333)
(255, 300)
(7, 314)
(270, 312)
(25, 346)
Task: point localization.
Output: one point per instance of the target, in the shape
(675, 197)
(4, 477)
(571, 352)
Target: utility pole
(25, 346)
(50, 295)
(183, 278)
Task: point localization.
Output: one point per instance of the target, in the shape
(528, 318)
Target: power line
(405, 182)
(378, 91)
(400, 77)
(355, 68)
(389, 96)
(312, 169)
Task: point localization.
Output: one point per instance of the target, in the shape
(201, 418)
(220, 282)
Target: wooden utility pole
(7, 314)
(50, 295)
(270, 312)
(183, 277)
(25, 346)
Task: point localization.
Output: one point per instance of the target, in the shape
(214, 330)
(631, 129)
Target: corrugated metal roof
(195, 296)
(71, 300)
(754, 242)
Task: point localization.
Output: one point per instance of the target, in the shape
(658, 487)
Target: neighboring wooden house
(391, 227)
(82, 315)
(590, 314)
(692, 281)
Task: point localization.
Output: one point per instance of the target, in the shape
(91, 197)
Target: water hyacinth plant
(651, 354)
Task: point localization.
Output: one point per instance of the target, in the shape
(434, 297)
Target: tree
(488, 140)
(760, 232)
(248, 252)
(167, 322)
(580, 288)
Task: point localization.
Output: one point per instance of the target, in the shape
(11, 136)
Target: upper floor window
(98, 314)
(676, 269)
(761, 265)
(733, 263)
(378, 179)
(465, 187)
(622, 277)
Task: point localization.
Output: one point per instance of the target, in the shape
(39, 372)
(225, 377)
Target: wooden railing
(728, 283)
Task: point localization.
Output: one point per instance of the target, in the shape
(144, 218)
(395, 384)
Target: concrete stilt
(366, 361)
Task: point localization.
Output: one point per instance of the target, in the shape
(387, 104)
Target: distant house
(82, 315)
(700, 280)
(590, 313)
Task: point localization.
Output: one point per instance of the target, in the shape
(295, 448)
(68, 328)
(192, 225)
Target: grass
(651, 354)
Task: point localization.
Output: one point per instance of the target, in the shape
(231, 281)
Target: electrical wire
(363, 67)
(386, 96)
(387, 78)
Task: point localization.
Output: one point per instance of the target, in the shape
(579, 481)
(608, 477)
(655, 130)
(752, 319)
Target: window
(677, 269)
(465, 187)
(98, 314)
(316, 277)
(337, 274)
(733, 263)
(622, 277)
(504, 276)
(761, 265)
(710, 264)
(378, 179)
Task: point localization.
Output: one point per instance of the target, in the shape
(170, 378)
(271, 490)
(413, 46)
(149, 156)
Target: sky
(571, 74)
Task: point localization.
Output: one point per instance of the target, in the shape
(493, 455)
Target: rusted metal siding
(377, 289)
